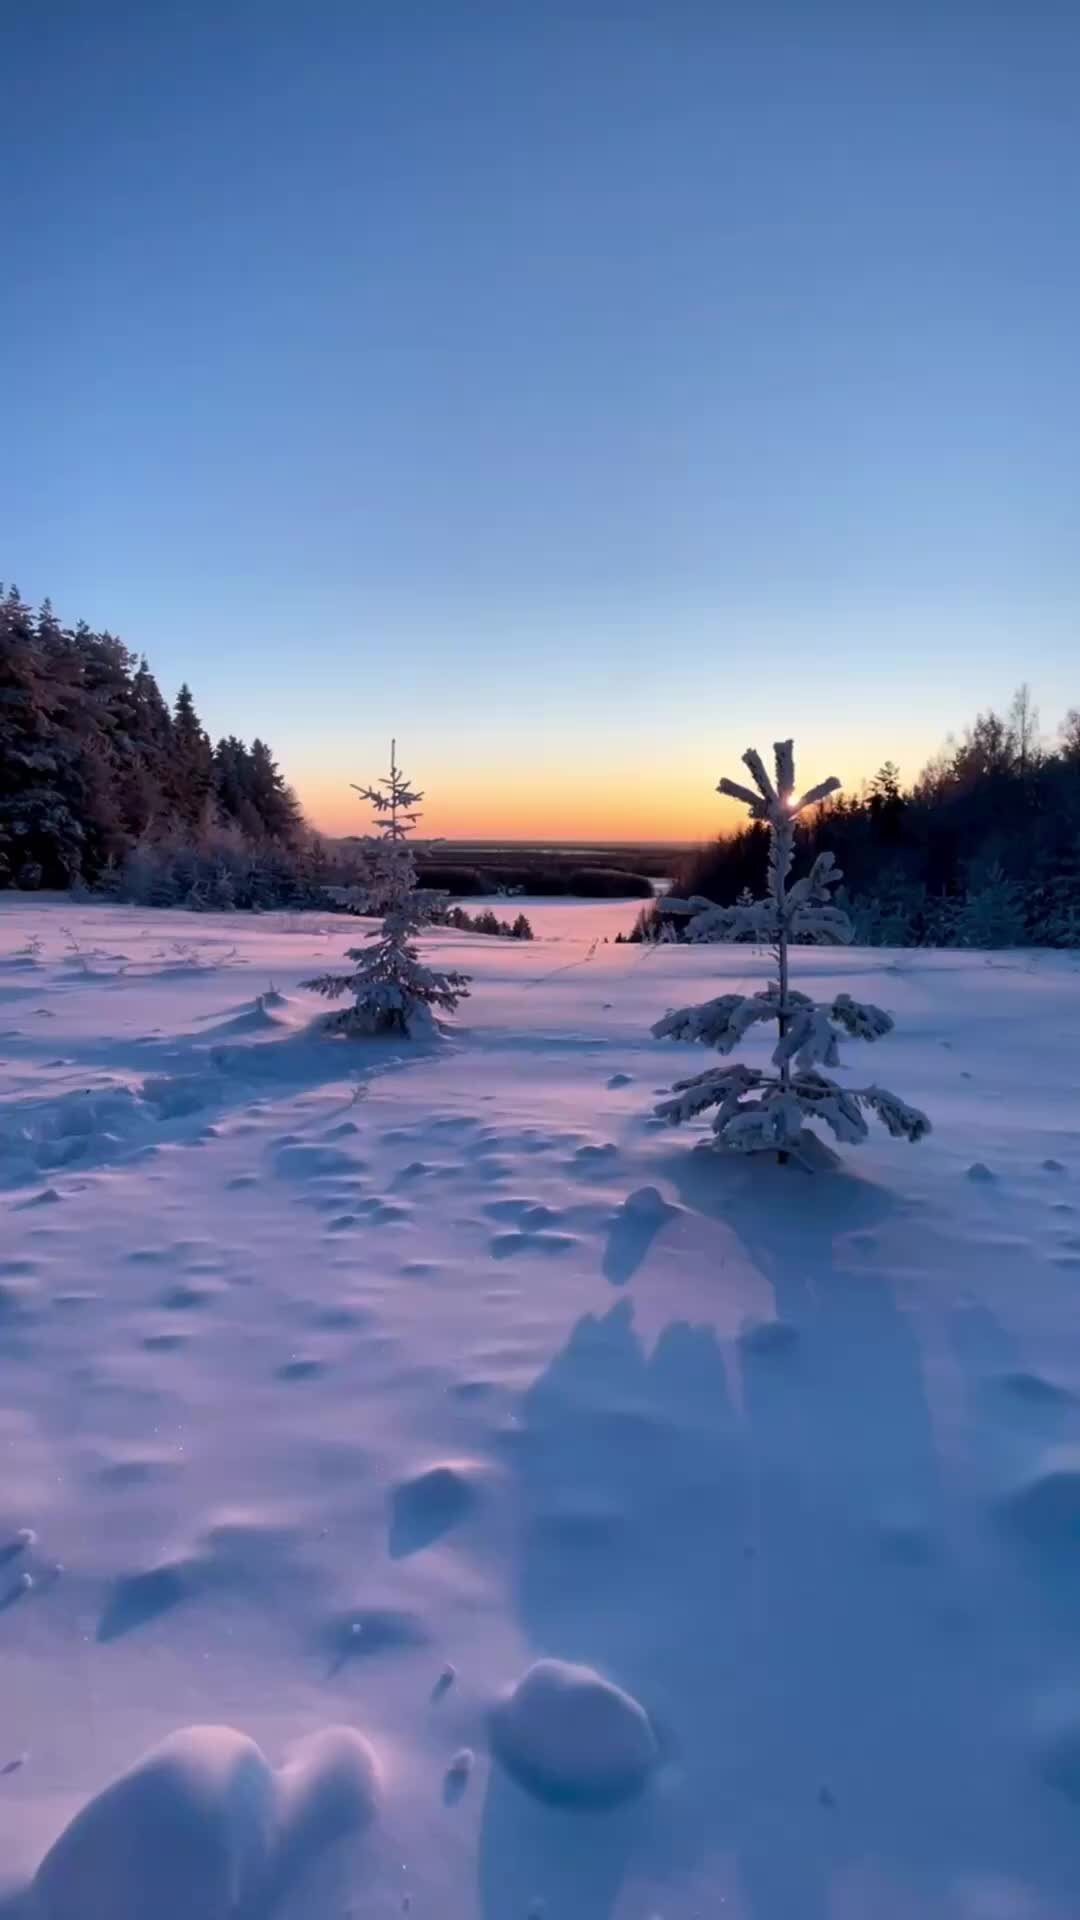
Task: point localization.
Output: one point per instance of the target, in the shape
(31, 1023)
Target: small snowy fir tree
(764, 1108)
(393, 992)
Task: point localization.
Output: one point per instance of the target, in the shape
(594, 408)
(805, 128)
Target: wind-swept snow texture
(429, 1487)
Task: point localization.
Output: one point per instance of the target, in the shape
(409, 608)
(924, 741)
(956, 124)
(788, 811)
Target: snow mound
(204, 1826)
(328, 1789)
(188, 1831)
(1045, 1509)
(569, 1736)
(261, 1015)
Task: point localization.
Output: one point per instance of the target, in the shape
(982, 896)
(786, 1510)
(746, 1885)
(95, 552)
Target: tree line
(982, 849)
(104, 784)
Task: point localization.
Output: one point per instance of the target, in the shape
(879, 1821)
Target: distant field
(591, 868)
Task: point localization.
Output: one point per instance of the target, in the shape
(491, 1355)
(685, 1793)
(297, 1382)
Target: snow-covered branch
(756, 1109)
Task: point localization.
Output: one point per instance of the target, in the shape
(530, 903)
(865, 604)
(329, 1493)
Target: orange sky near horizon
(464, 808)
(588, 806)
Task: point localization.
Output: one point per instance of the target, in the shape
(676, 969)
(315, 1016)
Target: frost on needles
(764, 1108)
(393, 991)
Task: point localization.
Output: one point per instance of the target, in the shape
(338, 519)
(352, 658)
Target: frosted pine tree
(393, 992)
(765, 1108)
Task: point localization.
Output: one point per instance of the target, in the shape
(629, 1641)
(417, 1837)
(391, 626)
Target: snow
(342, 1382)
(570, 1736)
(203, 1826)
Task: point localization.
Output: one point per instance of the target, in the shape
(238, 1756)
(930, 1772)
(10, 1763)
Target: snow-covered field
(340, 1382)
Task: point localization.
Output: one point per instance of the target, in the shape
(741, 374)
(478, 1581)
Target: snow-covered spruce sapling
(764, 1108)
(393, 992)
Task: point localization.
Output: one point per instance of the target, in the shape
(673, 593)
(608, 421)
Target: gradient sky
(581, 391)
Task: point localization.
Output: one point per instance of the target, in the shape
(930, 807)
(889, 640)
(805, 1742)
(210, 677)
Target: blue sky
(580, 391)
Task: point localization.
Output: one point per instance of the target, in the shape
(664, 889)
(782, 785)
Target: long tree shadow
(633, 1532)
(875, 1751)
(754, 1537)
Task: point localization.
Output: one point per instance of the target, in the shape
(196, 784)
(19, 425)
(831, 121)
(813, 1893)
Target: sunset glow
(664, 797)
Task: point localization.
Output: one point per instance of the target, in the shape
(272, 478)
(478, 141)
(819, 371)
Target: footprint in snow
(429, 1504)
(416, 1170)
(530, 1215)
(632, 1231)
(506, 1245)
(48, 1197)
(301, 1367)
(185, 1298)
(456, 1778)
(305, 1160)
(362, 1633)
(590, 1160)
(764, 1338)
(239, 1552)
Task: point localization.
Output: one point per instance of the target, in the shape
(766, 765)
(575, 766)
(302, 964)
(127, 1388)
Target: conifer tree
(393, 992)
(764, 1108)
(193, 765)
(274, 800)
(42, 835)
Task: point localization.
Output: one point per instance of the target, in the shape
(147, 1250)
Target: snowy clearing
(343, 1382)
